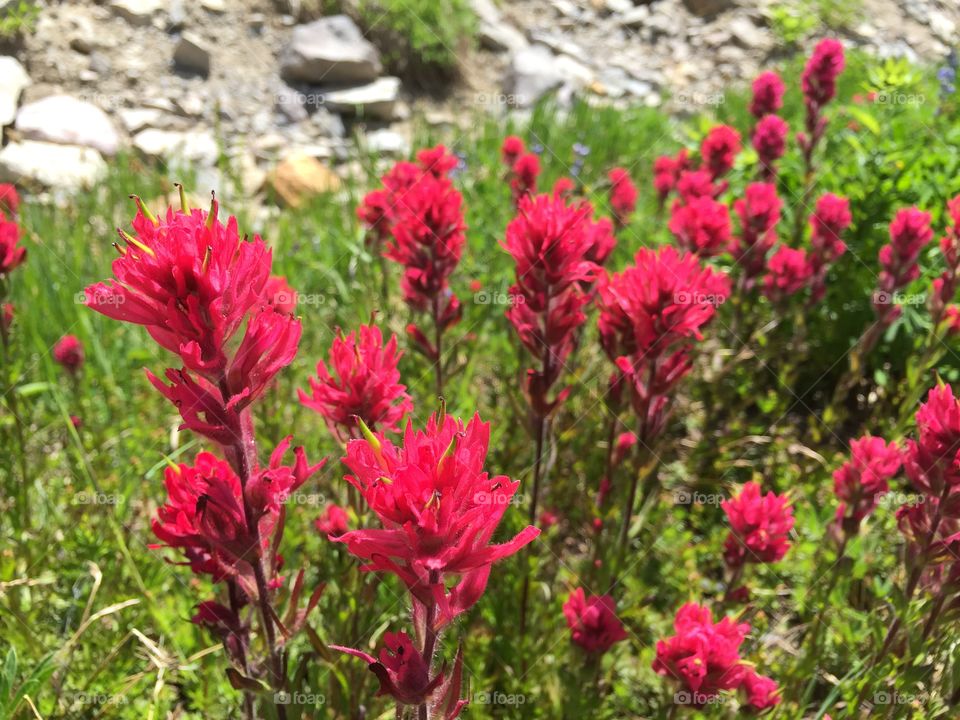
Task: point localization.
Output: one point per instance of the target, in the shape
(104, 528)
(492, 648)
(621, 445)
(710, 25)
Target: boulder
(54, 166)
(13, 81)
(377, 99)
(68, 120)
(194, 146)
(329, 50)
(192, 54)
(533, 72)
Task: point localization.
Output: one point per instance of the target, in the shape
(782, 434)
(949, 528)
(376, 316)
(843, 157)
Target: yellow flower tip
(184, 205)
(130, 240)
(145, 211)
(442, 413)
(214, 209)
(371, 439)
(206, 259)
(120, 248)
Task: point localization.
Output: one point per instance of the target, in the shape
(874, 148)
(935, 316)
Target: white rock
(55, 166)
(136, 119)
(943, 27)
(13, 80)
(634, 18)
(387, 142)
(329, 50)
(377, 99)
(214, 6)
(65, 119)
(197, 146)
(137, 12)
(192, 54)
(495, 33)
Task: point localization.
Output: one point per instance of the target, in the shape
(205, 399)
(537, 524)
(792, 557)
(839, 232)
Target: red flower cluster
(830, 219)
(704, 658)
(523, 176)
(819, 85)
(11, 253)
(649, 314)
(68, 352)
(931, 523)
(666, 173)
(759, 213)
(334, 521)
(697, 184)
(944, 288)
(759, 525)
(404, 674)
(910, 232)
(819, 79)
(593, 621)
(551, 242)
(769, 139)
(623, 195)
(768, 91)
(788, 272)
(364, 384)
(512, 148)
(862, 479)
(719, 149)
(438, 509)
(701, 225)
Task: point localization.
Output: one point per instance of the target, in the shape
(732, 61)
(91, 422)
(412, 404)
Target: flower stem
(437, 340)
(429, 642)
(242, 456)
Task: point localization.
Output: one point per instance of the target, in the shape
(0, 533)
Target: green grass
(93, 492)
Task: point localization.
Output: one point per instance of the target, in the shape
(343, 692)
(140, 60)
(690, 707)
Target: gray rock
(708, 8)
(533, 72)
(290, 103)
(100, 63)
(943, 27)
(495, 33)
(634, 18)
(377, 99)
(137, 119)
(745, 33)
(69, 121)
(194, 146)
(192, 54)
(137, 12)
(13, 81)
(176, 16)
(328, 124)
(329, 50)
(54, 166)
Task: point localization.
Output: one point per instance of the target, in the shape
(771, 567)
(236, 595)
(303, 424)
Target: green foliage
(18, 19)
(793, 21)
(420, 33)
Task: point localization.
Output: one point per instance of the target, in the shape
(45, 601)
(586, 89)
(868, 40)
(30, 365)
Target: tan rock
(300, 177)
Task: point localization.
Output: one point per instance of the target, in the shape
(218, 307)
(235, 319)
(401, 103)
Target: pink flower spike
(593, 621)
(759, 526)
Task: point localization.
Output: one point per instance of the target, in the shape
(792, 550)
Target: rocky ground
(283, 98)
